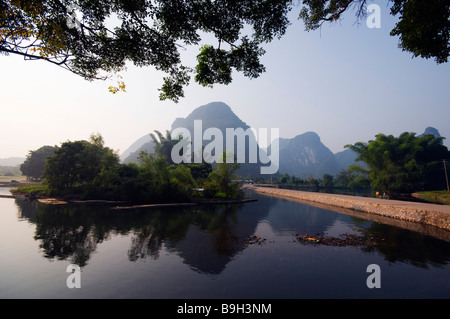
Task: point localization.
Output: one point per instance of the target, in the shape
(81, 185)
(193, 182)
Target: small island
(90, 172)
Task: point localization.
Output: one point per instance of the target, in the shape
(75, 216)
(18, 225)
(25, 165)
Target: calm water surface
(204, 252)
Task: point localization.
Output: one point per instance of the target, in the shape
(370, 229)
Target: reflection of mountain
(303, 218)
(206, 237)
(209, 247)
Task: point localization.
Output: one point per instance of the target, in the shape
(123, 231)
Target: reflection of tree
(145, 243)
(171, 227)
(166, 225)
(401, 245)
(67, 243)
(27, 209)
(221, 225)
(72, 232)
(65, 233)
(206, 237)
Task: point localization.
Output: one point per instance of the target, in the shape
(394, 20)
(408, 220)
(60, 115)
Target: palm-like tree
(163, 144)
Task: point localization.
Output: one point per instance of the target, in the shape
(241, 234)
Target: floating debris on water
(256, 240)
(342, 240)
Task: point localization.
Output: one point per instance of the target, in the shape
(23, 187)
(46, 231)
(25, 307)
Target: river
(212, 252)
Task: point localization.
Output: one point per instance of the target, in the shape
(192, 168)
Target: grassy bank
(437, 197)
(39, 190)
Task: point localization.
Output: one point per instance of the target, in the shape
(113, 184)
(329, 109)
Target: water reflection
(400, 245)
(207, 238)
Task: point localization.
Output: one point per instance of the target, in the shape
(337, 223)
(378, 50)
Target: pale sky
(345, 82)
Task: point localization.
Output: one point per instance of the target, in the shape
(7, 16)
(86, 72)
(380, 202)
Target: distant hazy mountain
(345, 158)
(302, 156)
(10, 165)
(145, 143)
(432, 131)
(305, 155)
(213, 115)
(11, 161)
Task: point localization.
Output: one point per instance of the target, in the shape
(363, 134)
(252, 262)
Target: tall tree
(223, 178)
(164, 145)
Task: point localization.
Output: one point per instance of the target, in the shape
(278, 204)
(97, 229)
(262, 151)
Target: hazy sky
(345, 82)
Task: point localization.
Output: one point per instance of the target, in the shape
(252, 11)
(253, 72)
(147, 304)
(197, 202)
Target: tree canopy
(423, 26)
(90, 170)
(404, 164)
(77, 164)
(95, 39)
(223, 179)
(34, 165)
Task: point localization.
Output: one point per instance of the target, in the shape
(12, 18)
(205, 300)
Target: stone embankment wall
(428, 214)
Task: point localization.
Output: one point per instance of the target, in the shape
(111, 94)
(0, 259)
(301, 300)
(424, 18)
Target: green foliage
(89, 170)
(164, 145)
(222, 179)
(34, 165)
(404, 164)
(358, 177)
(311, 181)
(423, 26)
(215, 65)
(438, 197)
(353, 178)
(200, 171)
(285, 178)
(81, 164)
(41, 189)
(77, 35)
(145, 33)
(210, 189)
(327, 181)
(181, 178)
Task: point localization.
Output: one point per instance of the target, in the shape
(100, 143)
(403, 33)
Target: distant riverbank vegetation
(397, 166)
(437, 197)
(90, 170)
(353, 180)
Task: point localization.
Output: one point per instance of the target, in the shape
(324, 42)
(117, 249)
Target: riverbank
(123, 205)
(195, 203)
(422, 213)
